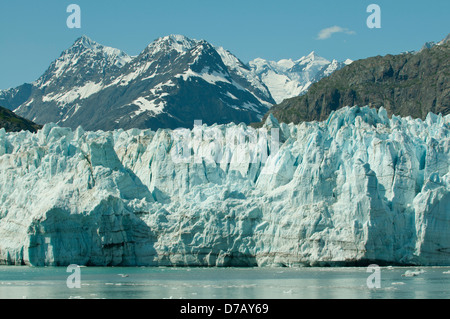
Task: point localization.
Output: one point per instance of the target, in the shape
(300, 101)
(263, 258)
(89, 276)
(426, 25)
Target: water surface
(223, 283)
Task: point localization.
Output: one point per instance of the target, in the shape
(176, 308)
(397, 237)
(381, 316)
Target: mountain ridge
(288, 78)
(171, 83)
(100, 87)
(408, 84)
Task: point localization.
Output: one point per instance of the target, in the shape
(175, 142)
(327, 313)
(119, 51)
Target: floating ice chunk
(413, 273)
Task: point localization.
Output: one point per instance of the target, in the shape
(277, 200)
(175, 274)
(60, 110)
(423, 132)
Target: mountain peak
(84, 38)
(175, 42)
(86, 57)
(445, 40)
(312, 58)
(348, 61)
(86, 42)
(431, 44)
(179, 38)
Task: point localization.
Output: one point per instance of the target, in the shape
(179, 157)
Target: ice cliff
(357, 188)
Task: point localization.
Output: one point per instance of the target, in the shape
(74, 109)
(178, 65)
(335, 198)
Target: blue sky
(34, 33)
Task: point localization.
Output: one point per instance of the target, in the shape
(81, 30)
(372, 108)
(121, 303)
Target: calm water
(222, 283)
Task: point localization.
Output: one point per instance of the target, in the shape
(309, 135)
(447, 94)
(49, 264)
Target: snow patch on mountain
(288, 78)
(146, 105)
(133, 74)
(206, 75)
(74, 94)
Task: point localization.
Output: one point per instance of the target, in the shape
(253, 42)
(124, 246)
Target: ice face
(356, 188)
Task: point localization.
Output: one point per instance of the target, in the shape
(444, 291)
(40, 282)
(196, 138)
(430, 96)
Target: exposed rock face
(13, 123)
(411, 84)
(357, 188)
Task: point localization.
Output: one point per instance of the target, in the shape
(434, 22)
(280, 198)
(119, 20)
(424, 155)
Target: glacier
(289, 78)
(358, 188)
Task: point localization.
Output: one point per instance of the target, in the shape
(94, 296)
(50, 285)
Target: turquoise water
(223, 283)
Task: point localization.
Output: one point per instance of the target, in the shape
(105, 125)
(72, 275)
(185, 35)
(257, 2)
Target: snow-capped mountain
(171, 83)
(288, 78)
(85, 61)
(431, 44)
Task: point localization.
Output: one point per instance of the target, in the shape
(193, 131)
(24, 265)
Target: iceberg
(356, 189)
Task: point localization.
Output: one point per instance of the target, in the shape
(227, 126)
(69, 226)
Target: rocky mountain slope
(410, 84)
(13, 123)
(355, 189)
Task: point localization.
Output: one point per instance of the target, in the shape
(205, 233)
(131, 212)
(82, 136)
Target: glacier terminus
(355, 189)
